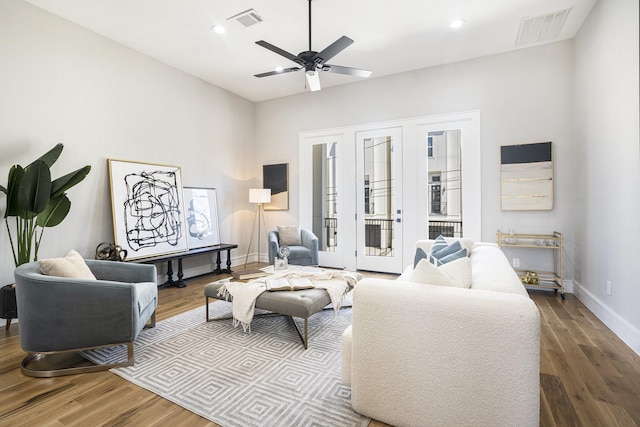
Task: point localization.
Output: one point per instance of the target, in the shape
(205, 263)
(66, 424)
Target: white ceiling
(390, 36)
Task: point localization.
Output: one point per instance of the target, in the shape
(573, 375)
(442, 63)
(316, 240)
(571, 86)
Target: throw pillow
(446, 252)
(456, 274)
(462, 253)
(459, 270)
(421, 254)
(289, 236)
(71, 265)
(441, 252)
(438, 244)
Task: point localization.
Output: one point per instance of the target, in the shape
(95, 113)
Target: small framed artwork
(276, 178)
(526, 177)
(202, 217)
(148, 208)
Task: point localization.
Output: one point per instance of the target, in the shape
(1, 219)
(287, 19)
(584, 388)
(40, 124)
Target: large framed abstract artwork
(526, 175)
(148, 208)
(276, 178)
(202, 217)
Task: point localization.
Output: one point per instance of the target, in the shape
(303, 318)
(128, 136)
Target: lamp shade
(259, 195)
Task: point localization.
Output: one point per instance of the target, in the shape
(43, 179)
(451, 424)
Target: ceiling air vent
(541, 29)
(247, 18)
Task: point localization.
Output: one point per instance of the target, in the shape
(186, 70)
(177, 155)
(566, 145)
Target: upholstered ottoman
(303, 304)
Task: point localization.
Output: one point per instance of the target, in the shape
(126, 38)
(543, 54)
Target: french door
(379, 200)
(352, 181)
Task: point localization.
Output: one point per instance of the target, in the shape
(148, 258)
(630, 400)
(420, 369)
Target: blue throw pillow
(447, 250)
(453, 256)
(421, 254)
(438, 244)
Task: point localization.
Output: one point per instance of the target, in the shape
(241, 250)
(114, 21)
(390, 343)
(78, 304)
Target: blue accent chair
(60, 317)
(305, 254)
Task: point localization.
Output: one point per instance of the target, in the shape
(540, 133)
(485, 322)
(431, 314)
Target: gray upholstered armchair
(306, 253)
(62, 316)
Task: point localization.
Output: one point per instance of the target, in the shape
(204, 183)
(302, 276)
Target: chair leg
(152, 322)
(59, 363)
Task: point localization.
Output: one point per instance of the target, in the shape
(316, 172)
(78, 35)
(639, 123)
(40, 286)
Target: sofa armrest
(452, 356)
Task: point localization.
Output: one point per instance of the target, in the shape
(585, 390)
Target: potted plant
(36, 202)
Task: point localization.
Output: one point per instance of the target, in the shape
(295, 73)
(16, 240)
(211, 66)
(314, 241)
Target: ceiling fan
(311, 61)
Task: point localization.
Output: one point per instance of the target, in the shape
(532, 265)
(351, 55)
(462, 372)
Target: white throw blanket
(244, 295)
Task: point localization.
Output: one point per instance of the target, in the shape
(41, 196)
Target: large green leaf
(55, 213)
(62, 184)
(50, 157)
(35, 187)
(4, 190)
(15, 177)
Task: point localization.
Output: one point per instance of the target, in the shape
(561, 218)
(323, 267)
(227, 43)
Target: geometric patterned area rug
(238, 379)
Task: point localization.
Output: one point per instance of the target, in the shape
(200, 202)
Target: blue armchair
(304, 254)
(60, 317)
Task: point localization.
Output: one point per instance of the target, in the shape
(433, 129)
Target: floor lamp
(258, 196)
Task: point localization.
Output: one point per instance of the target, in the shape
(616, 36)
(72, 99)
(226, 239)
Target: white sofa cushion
(455, 273)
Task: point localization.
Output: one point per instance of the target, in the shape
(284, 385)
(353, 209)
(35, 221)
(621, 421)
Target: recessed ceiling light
(218, 29)
(278, 69)
(457, 23)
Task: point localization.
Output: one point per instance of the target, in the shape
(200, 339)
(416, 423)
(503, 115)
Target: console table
(198, 251)
(554, 243)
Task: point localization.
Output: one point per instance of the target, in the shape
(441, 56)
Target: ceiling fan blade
(273, 73)
(279, 51)
(333, 49)
(346, 70)
(313, 80)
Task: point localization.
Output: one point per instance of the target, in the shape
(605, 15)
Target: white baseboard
(568, 286)
(623, 329)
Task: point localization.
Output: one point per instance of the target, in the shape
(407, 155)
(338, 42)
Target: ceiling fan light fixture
(313, 80)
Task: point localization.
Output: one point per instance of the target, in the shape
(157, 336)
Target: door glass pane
(378, 200)
(445, 183)
(325, 196)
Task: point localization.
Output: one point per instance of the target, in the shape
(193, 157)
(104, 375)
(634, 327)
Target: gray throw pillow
(289, 236)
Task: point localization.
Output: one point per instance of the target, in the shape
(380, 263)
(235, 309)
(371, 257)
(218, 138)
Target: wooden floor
(588, 377)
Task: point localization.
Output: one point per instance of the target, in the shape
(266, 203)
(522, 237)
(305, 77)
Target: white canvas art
(202, 217)
(526, 177)
(148, 208)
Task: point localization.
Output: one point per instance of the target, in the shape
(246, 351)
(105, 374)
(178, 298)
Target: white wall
(608, 166)
(62, 83)
(523, 96)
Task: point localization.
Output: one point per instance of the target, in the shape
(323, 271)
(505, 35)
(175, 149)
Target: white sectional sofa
(418, 354)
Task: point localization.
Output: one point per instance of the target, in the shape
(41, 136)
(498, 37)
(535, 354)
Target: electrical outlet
(516, 262)
(608, 287)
